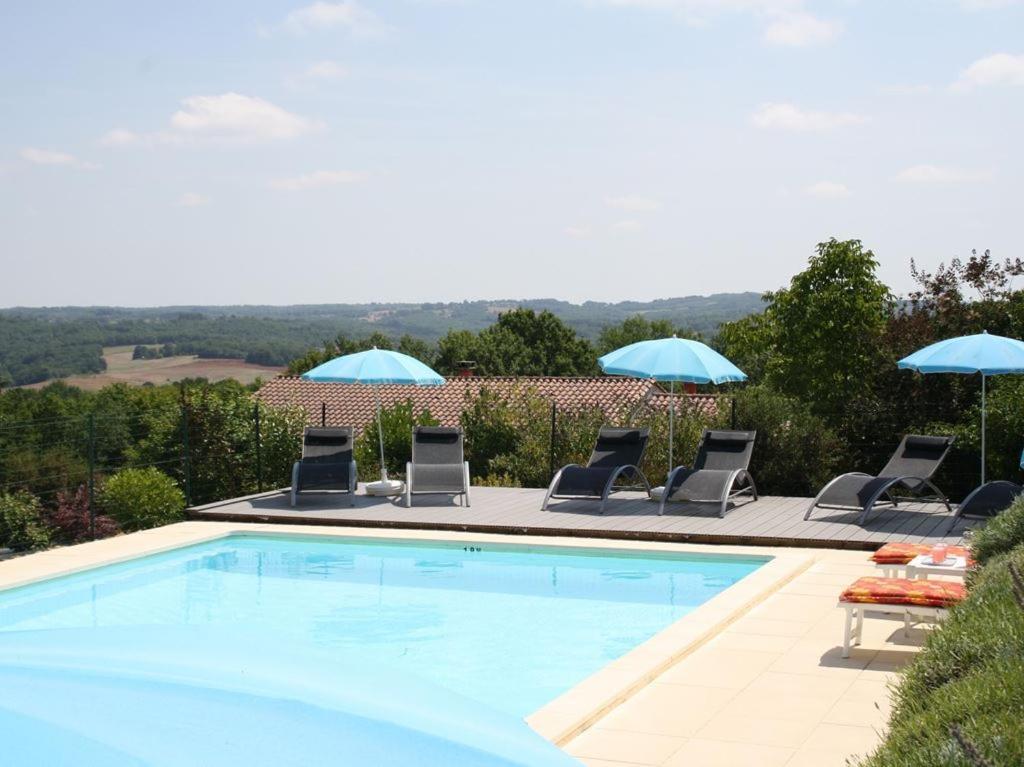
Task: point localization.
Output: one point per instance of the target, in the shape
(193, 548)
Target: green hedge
(970, 674)
(1000, 535)
(138, 499)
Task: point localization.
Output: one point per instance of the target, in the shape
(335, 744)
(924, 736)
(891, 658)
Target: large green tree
(521, 342)
(820, 338)
(634, 329)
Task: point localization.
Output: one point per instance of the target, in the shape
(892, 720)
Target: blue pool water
(509, 627)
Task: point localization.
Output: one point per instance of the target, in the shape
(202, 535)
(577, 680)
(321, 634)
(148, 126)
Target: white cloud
(51, 157)
(321, 15)
(633, 203)
(792, 118)
(800, 29)
(577, 232)
(193, 200)
(316, 180)
(326, 70)
(997, 69)
(120, 137)
(627, 225)
(228, 117)
(238, 117)
(903, 89)
(937, 174)
(828, 190)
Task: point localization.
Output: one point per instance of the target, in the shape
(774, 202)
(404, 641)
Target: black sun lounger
(719, 473)
(617, 453)
(438, 464)
(326, 463)
(986, 501)
(911, 468)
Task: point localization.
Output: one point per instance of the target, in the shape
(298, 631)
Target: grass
(961, 701)
(121, 368)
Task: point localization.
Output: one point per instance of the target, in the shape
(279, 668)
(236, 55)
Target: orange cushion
(902, 553)
(904, 591)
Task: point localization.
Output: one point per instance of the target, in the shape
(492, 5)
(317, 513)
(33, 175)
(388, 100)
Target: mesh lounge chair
(326, 463)
(986, 501)
(618, 452)
(719, 474)
(911, 468)
(437, 464)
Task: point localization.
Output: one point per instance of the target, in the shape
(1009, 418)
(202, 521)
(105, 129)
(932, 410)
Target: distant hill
(37, 344)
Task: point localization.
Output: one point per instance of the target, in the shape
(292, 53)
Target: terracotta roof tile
(354, 404)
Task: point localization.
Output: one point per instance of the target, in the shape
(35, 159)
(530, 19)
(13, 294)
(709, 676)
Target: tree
(634, 329)
(521, 343)
(820, 338)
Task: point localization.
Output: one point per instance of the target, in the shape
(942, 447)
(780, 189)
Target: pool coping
(559, 720)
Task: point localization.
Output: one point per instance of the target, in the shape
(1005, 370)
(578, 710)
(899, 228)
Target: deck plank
(770, 520)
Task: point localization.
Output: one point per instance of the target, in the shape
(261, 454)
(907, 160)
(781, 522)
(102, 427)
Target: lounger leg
(295, 481)
(408, 485)
(465, 473)
(860, 624)
(847, 631)
(906, 623)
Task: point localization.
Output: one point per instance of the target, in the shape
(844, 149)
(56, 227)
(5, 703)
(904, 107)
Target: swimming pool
(509, 626)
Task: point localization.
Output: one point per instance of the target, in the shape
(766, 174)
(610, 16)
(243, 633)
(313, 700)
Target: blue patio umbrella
(980, 353)
(671, 359)
(376, 367)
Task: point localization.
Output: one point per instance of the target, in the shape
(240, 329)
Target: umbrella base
(385, 487)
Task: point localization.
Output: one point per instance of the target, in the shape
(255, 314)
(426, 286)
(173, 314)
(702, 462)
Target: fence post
(92, 476)
(259, 448)
(733, 417)
(186, 454)
(551, 448)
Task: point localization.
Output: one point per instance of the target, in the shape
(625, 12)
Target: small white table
(922, 566)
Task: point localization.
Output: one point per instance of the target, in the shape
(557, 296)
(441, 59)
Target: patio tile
(622, 746)
(865, 703)
(608, 763)
(819, 757)
(719, 667)
(730, 724)
(797, 607)
(749, 625)
(788, 696)
(840, 737)
(668, 709)
(812, 656)
(730, 640)
(701, 752)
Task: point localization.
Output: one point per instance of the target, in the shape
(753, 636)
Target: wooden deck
(769, 521)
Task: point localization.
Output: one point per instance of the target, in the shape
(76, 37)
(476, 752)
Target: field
(121, 368)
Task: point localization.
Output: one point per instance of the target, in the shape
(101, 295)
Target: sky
(279, 152)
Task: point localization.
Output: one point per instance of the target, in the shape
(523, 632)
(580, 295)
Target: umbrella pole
(983, 428)
(380, 437)
(671, 421)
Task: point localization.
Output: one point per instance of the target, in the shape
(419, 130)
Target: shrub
(1000, 535)
(141, 498)
(970, 674)
(396, 423)
(21, 522)
(508, 439)
(70, 520)
(795, 452)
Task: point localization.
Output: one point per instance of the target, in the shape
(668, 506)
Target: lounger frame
(352, 485)
(883, 493)
(963, 510)
(738, 475)
(610, 485)
(410, 473)
(856, 612)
